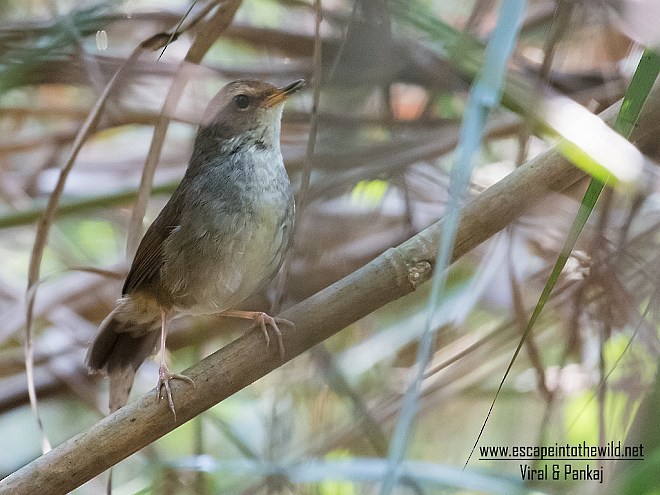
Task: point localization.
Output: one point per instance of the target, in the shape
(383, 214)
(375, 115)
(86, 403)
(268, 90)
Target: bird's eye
(242, 101)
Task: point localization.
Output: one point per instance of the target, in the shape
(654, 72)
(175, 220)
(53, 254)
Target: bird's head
(248, 107)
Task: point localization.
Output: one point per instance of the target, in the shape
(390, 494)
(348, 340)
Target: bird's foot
(262, 320)
(164, 377)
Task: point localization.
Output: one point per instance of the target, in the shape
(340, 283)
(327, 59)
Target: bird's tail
(118, 350)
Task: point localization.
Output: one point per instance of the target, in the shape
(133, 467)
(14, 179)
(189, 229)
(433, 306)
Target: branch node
(418, 272)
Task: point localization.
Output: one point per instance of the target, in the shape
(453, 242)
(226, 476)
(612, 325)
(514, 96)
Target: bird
(221, 237)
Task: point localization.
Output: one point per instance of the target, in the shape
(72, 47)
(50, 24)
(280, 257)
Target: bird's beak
(281, 94)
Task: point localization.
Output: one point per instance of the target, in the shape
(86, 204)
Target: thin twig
(206, 36)
(309, 154)
(46, 221)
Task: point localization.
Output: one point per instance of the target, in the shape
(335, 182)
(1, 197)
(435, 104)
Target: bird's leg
(261, 320)
(164, 375)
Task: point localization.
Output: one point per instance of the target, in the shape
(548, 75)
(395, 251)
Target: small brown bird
(220, 238)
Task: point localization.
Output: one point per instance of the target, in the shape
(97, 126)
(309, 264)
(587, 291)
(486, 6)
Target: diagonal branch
(392, 275)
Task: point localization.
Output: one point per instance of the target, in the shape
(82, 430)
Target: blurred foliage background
(391, 102)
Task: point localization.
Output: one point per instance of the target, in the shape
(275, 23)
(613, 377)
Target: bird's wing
(149, 256)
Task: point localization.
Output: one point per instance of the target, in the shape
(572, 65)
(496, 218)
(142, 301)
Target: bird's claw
(164, 377)
(261, 320)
